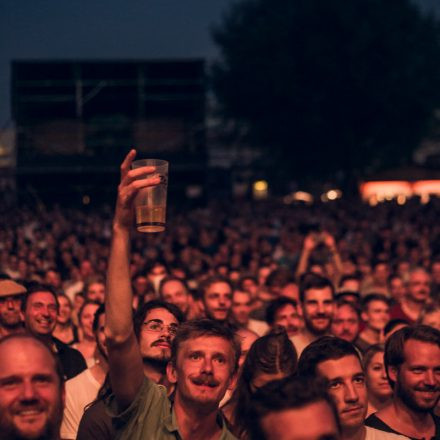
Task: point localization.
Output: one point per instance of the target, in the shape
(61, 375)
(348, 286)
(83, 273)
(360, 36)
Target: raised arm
(125, 361)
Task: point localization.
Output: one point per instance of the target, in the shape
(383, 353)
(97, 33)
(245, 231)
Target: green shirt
(151, 416)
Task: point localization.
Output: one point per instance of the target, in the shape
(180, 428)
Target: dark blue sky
(127, 29)
(78, 29)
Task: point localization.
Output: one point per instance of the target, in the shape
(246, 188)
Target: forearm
(303, 263)
(119, 322)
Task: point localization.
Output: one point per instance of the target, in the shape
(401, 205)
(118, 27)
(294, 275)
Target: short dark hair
(394, 347)
(393, 323)
(324, 349)
(280, 395)
(172, 278)
(206, 284)
(34, 287)
(277, 304)
(140, 314)
(345, 278)
(373, 297)
(350, 304)
(205, 327)
(311, 280)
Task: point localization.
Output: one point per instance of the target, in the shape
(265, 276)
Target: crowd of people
(247, 321)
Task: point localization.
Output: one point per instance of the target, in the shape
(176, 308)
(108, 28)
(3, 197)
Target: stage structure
(75, 120)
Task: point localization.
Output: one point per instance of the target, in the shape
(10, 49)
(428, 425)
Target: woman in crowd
(270, 357)
(379, 389)
(65, 330)
(87, 344)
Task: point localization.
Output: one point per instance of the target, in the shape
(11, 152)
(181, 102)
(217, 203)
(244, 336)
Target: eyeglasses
(159, 326)
(16, 299)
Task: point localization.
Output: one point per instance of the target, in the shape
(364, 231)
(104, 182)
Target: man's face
(157, 274)
(41, 313)
(10, 315)
(314, 421)
(381, 273)
(174, 292)
(345, 323)
(140, 284)
(247, 338)
(397, 288)
(287, 317)
(204, 370)
(419, 286)
(417, 381)
(318, 310)
(241, 307)
(347, 388)
(154, 343)
(217, 301)
(31, 396)
(96, 292)
(376, 315)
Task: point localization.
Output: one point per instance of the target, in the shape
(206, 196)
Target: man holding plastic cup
(204, 353)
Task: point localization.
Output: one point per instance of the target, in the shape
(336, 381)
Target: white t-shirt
(376, 434)
(80, 391)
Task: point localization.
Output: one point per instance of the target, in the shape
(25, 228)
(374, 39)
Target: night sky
(106, 29)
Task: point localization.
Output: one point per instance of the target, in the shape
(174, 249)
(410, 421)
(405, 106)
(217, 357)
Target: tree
(329, 85)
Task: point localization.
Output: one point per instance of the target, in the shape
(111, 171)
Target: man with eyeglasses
(11, 297)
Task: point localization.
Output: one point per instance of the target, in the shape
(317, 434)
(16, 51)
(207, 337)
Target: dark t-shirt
(71, 360)
(96, 424)
(374, 422)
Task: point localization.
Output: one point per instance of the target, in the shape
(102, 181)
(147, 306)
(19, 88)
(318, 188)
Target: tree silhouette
(329, 85)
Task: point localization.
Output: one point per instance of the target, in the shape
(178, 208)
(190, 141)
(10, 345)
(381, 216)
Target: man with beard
(216, 298)
(31, 390)
(11, 297)
(317, 301)
(412, 362)
(204, 354)
(339, 363)
(282, 312)
(40, 309)
(345, 323)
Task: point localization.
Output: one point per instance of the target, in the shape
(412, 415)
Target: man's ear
(233, 381)
(392, 373)
(201, 305)
(171, 373)
(364, 317)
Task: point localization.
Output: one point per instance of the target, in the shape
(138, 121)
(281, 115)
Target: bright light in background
(401, 190)
(298, 196)
(86, 200)
(401, 200)
(330, 195)
(260, 190)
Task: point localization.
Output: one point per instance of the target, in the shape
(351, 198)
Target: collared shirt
(151, 416)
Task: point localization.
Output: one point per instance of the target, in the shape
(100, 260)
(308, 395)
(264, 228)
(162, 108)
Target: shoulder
(377, 434)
